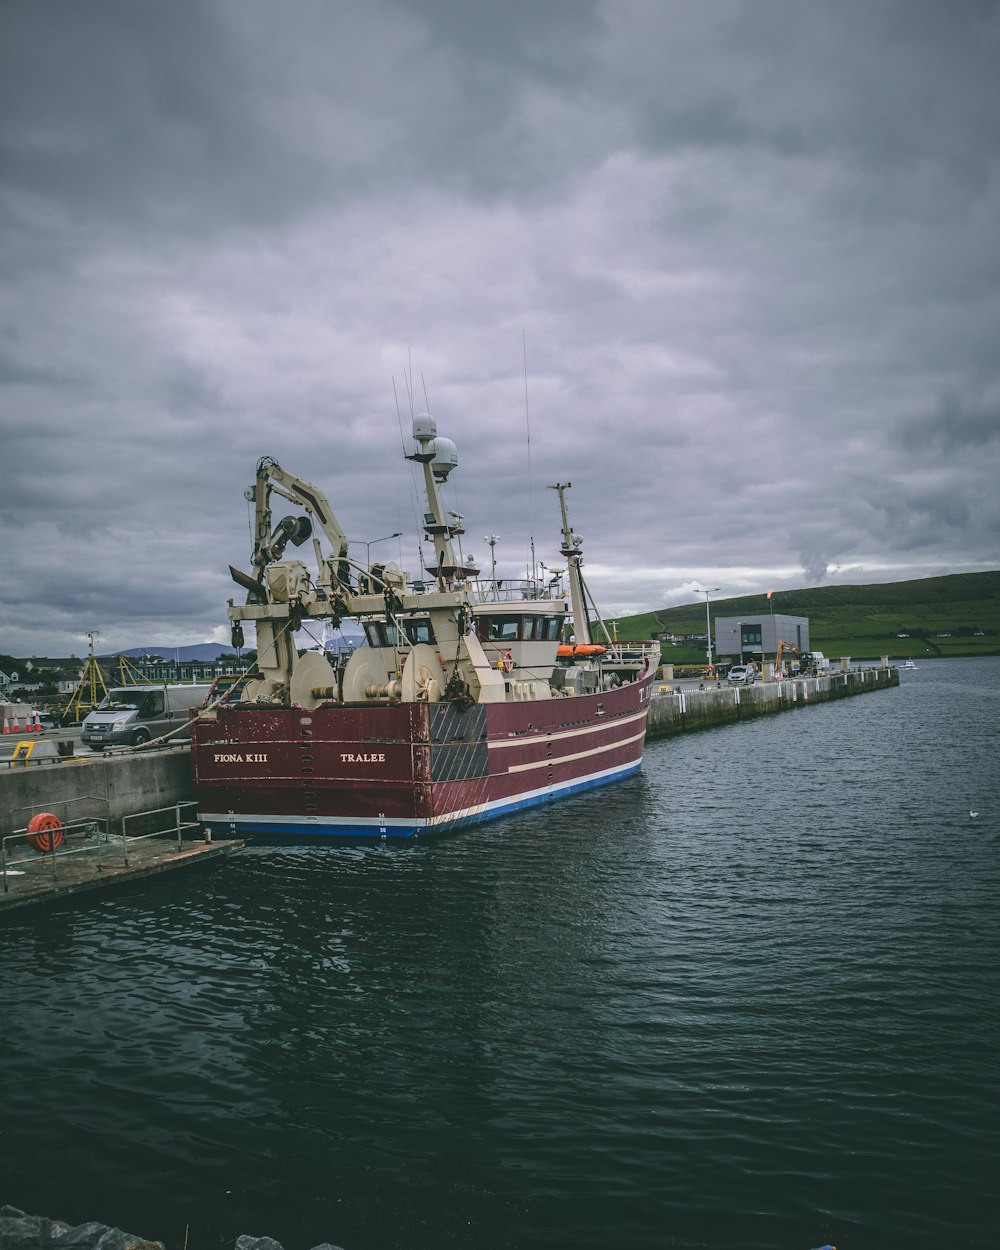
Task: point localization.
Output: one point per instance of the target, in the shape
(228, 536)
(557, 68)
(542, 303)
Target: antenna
(409, 378)
(493, 539)
(414, 493)
(399, 418)
(527, 423)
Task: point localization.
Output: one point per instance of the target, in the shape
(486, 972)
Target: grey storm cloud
(732, 269)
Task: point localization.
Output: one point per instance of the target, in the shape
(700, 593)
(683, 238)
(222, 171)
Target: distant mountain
(212, 650)
(200, 651)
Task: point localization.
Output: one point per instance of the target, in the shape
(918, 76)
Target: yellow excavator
(783, 649)
(807, 666)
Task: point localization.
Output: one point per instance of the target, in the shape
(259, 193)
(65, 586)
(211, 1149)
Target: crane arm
(272, 477)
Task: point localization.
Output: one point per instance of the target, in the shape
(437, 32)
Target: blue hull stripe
(244, 825)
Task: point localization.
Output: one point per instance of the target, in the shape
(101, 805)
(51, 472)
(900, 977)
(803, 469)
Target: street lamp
(708, 623)
(371, 543)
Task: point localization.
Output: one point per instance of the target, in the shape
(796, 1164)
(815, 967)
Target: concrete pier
(677, 706)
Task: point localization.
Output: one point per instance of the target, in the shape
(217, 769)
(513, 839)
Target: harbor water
(747, 999)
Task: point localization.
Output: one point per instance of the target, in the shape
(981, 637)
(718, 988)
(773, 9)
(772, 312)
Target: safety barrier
(51, 838)
(89, 831)
(12, 721)
(177, 831)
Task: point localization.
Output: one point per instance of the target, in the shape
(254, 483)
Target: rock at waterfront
(36, 1232)
(19, 1231)
(28, 1232)
(268, 1243)
(93, 1236)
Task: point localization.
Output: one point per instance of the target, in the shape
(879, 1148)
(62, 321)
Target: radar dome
(445, 457)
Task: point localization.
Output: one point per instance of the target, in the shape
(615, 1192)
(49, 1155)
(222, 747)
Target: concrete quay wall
(95, 785)
(686, 706)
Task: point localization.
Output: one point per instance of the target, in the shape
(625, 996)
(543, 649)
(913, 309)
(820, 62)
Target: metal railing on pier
(70, 836)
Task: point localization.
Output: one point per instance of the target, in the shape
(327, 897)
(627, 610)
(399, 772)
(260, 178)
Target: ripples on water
(747, 999)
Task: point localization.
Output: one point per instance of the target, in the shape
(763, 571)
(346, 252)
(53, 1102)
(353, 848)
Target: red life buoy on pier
(45, 832)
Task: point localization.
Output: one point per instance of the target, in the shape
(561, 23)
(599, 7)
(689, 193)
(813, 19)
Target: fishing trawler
(470, 697)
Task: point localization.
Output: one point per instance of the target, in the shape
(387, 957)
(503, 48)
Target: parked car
(742, 675)
(130, 715)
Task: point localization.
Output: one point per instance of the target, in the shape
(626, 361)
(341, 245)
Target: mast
(438, 457)
(571, 548)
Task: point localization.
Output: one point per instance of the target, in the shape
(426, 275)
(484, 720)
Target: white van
(128, 715)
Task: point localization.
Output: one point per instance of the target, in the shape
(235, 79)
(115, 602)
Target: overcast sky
(748, 251)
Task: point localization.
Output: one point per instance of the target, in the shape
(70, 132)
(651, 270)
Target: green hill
(939, 616)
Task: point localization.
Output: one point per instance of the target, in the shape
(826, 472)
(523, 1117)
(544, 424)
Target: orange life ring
(45, 832)
(507, 662)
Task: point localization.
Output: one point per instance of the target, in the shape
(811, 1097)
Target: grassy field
(958, 615)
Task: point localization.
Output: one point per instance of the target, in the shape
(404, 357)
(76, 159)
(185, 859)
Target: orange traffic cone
(6, 724)
(16, 726)
(38, 721)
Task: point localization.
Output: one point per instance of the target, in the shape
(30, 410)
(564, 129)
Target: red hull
(409, 768)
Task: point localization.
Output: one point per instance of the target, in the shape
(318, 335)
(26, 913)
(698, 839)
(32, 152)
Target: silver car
(742, 675)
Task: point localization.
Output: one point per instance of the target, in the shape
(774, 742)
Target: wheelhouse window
(500, 629)
(418, 629)
(541, 628)
(380, 634)
(506, 628)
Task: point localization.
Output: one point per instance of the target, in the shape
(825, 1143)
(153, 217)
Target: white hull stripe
(579, 755)
(524, 739)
